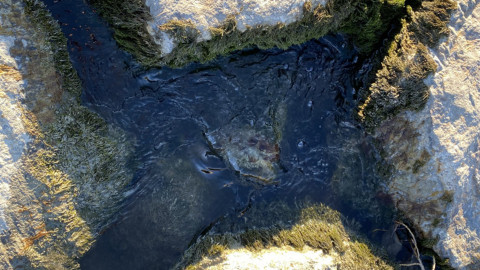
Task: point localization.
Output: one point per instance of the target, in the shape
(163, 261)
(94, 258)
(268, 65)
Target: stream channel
(214, 140)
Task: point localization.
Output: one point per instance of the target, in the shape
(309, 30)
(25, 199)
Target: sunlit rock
(175, 33)
(432, 155)
(313, 237)
(213, 14)
(62, 169)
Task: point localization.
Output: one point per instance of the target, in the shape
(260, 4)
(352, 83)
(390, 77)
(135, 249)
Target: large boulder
(63, 170)
(431, 154)
(175, 33)
(308, 236)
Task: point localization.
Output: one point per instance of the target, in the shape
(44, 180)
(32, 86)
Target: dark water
(302, 97)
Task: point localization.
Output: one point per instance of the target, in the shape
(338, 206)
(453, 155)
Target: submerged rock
(431, 154)
(252, 150)
(63, 171)
(251, 153)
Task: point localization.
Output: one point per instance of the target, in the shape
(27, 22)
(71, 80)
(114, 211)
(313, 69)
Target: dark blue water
(190, 125)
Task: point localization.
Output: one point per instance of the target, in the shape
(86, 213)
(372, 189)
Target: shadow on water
(288, 112)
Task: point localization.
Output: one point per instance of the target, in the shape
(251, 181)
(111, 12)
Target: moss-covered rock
(71, 172)
(317, 237)
(398, 83)
(179, 41)
(430, 146)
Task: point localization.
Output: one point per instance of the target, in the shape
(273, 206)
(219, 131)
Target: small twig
(416, 252)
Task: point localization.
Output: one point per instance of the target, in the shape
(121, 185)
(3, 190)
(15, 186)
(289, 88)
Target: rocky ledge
(175, 33)
(308, 236)
(431, 150)
(63, 170)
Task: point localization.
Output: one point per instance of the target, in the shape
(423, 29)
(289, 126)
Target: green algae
(366, 21)
(371, 20)
(398, 83)
(74, 170)
(79, 137)
(39, 16)
(316, 226)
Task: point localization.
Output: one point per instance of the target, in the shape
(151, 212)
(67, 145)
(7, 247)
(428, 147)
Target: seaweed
(366, 21)
(398, 81)
(317, 227)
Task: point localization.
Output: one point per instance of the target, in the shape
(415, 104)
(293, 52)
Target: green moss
(371, 20)
(398, 83)
(366, 21)
(38, 15)
(317, 227)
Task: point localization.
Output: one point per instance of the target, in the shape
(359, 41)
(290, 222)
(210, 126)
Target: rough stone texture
(434, 153)
(305, 236)
(271, 258)
(207, 14)
(398, 85)
(62, 169)
(252, 150)
(176, 33)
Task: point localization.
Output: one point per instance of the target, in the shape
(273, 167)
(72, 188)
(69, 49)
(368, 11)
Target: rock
(251, 149)
(63, 171)
(175, 33)
(312, 237)
(432, 155)
(249, 152)
(213, 14)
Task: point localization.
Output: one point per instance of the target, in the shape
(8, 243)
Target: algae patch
(366, 21)
(398, 83)
(72, 172)
(317, 230)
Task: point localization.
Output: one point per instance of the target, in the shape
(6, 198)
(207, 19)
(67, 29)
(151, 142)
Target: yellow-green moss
(318, 227)
(398, 84)
(366, 21)
(73, 171)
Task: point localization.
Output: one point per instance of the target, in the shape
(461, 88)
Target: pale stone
(272, 258)
(442, 197)
(53, 201)
(13, 137)
(213, 13)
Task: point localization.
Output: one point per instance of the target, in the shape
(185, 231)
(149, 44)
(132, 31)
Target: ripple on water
(201, 131)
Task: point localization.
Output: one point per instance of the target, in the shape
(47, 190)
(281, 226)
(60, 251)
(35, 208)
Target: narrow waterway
(214, 139)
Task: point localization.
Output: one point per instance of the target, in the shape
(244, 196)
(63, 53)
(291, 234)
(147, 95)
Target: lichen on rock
(63, 169)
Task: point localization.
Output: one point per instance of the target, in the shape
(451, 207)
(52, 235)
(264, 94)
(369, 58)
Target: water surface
(289, 112)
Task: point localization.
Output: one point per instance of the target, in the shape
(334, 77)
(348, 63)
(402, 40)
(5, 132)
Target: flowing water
(214, 140)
